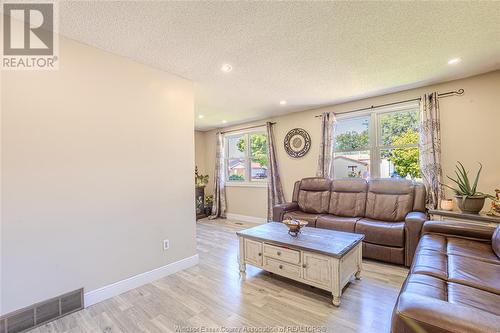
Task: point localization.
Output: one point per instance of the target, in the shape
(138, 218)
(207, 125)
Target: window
(246, 157)
(352, 148)
(382, 143)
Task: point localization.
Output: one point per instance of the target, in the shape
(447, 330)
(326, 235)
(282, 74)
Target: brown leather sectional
(389, 212)
(454, 282)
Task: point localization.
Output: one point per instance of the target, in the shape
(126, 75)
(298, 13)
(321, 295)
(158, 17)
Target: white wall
(469, 129)
(200, 153)
(97, 169)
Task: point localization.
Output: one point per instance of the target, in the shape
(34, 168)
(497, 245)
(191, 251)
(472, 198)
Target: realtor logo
(29, 36)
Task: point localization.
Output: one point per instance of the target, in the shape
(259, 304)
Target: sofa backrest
(296, 189)
(389, 199)
(420, 198)
(348, 197)
(314, 195)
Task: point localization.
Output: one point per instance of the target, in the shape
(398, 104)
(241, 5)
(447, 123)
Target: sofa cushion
(474, 273)
(298, 215)
(432, 242)
(476, 298)
(431, 263)
(389, 199)
(395, 255)
(426, 285)
(470, 248)
(455, 293)
(381, 232)
(348, 197)
(314, 195)
(339, 223)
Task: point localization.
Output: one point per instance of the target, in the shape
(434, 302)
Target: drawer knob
(279, 253)
(260, 254)
(281, 266)
(304, 266)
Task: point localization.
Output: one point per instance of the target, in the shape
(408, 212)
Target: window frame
(375, 146)
(248, 182)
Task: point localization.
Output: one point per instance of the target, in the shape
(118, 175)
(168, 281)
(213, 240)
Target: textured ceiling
(308, 53)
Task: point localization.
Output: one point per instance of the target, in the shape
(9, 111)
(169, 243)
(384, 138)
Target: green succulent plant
(464, 187)
(200, 180)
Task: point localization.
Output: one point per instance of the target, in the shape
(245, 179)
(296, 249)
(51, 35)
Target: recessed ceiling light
(201, 116)
(454, 61)
(283, 102)
(226, 68)
(224, 121)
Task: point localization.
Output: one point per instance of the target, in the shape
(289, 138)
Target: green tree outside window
(396, 129)
(258, 147)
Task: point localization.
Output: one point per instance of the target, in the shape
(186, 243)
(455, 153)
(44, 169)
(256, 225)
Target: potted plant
(209, 202)
(469, 200)
(200, 180)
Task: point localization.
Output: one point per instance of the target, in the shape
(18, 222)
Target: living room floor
(213, 295)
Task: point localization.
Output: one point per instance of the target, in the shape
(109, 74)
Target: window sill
(246, 184)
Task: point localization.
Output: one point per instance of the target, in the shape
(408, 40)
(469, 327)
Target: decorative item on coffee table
(469, 200)
(294, 226)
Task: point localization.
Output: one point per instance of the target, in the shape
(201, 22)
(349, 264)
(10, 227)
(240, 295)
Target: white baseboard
(117, 288)
(245, 218)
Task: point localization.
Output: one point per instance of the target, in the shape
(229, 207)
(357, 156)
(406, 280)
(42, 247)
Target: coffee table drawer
(283, 254)
(281, 268)
(253, 252)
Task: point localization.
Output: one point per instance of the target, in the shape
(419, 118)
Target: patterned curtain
(219, 205)
(430, 149)
(274, 188)
(325, 160)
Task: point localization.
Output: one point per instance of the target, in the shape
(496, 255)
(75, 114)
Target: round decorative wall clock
(297, 142)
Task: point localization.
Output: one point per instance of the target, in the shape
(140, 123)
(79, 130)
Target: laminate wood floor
(213, 297)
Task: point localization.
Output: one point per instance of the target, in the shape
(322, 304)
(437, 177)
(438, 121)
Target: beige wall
(97, 170)
(470, 133)
(200, 151)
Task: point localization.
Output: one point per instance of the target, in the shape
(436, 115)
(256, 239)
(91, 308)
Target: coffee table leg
(241, 256)
(336, 287)
(359, 262)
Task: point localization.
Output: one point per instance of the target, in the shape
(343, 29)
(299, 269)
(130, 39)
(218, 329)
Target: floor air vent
(41, 313)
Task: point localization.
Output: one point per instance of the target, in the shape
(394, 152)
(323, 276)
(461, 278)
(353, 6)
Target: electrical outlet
(166, 244)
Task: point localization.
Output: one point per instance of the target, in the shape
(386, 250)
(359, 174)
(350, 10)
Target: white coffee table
(322, 258)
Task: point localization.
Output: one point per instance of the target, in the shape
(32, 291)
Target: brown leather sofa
(389, 212)
(454, 282)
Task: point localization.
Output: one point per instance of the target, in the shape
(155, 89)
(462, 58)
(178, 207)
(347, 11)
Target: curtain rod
(446, 94)
(245, 128)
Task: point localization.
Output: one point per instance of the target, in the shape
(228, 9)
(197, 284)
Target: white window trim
(255, 183)
(248, 168)
(373, 132)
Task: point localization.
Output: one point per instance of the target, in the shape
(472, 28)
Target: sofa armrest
(280, 210)
(457, 229)
(417, 313)
(413, 228)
